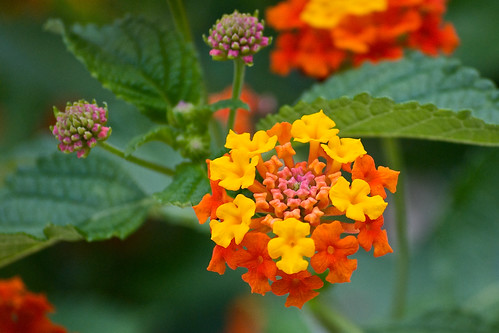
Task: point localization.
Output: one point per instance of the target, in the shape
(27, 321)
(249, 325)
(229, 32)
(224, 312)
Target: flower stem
(237, 87)
(180, 18)
(394, 155)
(330, 319)
(136, 160)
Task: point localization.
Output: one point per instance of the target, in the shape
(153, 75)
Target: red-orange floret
(255, 257)
(332, 252)
(222, 256)
(365, 169)
(24, 312)
(371, 234)
(300, 286)
(207, 207)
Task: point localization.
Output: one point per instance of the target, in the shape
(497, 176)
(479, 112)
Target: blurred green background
(156, 280)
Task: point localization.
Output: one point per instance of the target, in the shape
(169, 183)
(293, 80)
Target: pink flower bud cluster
(80, 126)
(237, 36)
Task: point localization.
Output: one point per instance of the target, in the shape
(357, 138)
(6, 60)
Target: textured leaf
(146, 63)
(440, 81)
(365, 116)
(162, 133)
(439, 321)
(189, 185)
(63, 198)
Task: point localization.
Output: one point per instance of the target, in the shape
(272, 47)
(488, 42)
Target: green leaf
(365, 116)
(63, 198)
(439, 321)
(229, 103)
(188, 187)
(441, 81)
(146, 63)
(162, 133)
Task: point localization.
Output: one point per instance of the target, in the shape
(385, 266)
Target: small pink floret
(248, 59)
(233, 53)
(103, 132)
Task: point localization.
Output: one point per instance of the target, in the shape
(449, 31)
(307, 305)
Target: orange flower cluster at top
(24, 312)
(320, 36)
(258, 105)
(281, 212)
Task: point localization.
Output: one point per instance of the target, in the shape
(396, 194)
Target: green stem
(237, 87)
(330, 319)
(394, 155)
(179, 16)
(180, 19)
(136, 160)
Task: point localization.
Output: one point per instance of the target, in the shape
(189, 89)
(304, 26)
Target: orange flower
(283, 217)
(208, 206)
(370, 234)
(261, 268)
(378, 180)
(258, 104)
(210, 202)
(222, 256)
(300, 287)
(319, 37)
(24, 312)
(332, 252)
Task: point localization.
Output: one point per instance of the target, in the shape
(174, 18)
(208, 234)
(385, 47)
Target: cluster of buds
(285, 221)
(237, 36)
(80, 126)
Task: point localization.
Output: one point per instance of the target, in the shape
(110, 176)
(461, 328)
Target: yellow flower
(234, 172)
(291, 245)
(355, 200)
(315, 127)
(344, 150)
(261, 142)
(327, 14)
(236, 218)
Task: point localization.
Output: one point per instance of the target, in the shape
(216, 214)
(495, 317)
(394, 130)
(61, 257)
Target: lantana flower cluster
(319, 37)
(290, 222)
(24, 312)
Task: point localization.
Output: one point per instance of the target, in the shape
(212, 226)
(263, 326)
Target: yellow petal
(314, 127)
(344, 150)
(236, 218)
(354, 200)
(260, 143)
(234, 172)
(291, 244)
(327, 14)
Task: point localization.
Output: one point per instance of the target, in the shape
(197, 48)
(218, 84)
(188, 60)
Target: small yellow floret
(314, 127)
(344, 150)
(234, 172)
(291, 245)
(236, 218)
(355, 200)
(260, 143)
(327, 14)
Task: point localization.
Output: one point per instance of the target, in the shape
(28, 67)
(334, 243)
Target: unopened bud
(237, 36)
(80, 127)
